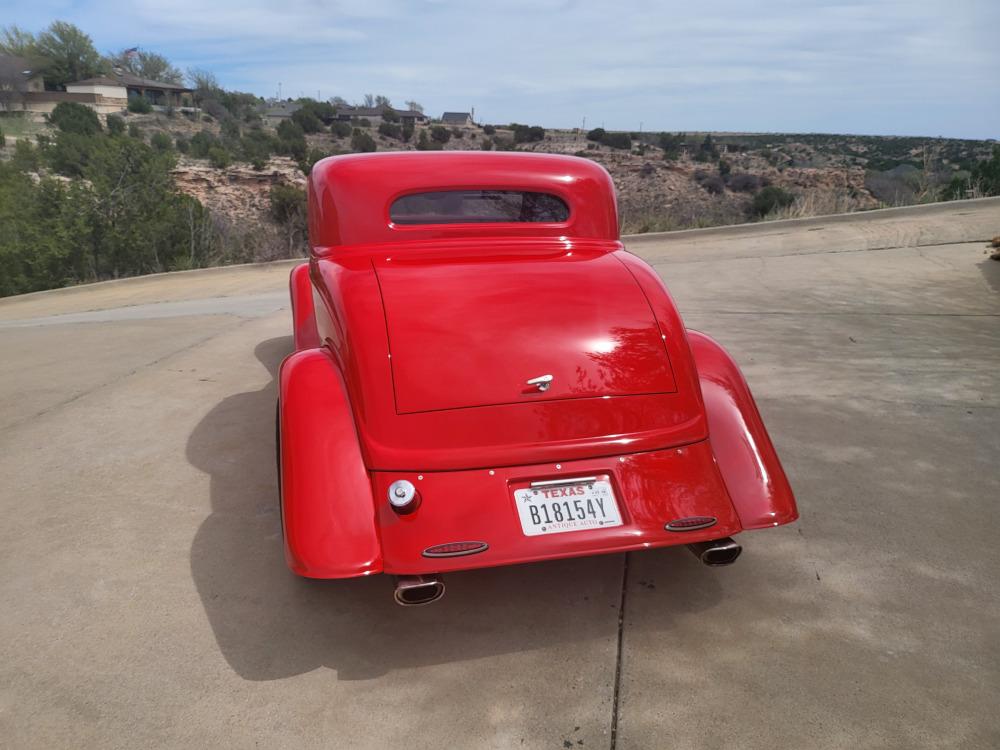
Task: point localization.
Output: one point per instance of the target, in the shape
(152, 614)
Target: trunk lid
(470, 329)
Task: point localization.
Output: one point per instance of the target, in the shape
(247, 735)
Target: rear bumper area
(652, 489)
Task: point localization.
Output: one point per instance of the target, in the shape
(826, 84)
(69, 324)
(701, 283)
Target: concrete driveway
(144, 601)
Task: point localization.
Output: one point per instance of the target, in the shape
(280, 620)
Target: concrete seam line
(618, 659)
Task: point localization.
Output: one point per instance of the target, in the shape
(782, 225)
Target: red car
(483, 375)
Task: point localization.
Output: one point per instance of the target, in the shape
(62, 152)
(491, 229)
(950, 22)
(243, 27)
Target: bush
(724, 167)
(440, 134)
(770, 199)
(407, 131)
(182, 144)
(116, 125)
(617, 140)
(744, 183)
(596, 135)
(288, 203)
(341, 129)
(219, 158)
(389, 115)
(527, 134)
(671, 145)
(486, 145)
(230, 129)
(362, 142)
(489, 129)
(363, 122)
(202, 143)
(161, 141)
(714, 184)
(135, 131)
(426, 144)
(390, 130)
(71, 117)
(457, 133)
(140, 105)
(307, 120)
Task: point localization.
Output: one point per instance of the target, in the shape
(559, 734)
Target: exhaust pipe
(412, 591)
(717, 552)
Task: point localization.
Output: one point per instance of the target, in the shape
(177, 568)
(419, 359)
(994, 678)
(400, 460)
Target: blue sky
(909, 67)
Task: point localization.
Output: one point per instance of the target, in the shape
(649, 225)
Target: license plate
(568, 505)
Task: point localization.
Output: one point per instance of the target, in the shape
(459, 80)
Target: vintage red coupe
(483, 375)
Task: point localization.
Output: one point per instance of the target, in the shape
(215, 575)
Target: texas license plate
(567, 505)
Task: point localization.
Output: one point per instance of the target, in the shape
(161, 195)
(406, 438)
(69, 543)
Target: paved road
(144, 602)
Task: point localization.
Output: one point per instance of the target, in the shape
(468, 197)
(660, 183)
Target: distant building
(458, 119)
(277, 111)
(17, 79)
(157, 93)
(375, 115)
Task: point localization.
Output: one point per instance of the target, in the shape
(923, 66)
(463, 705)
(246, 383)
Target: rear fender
(303, 314)
(326, 497)
(749, 464)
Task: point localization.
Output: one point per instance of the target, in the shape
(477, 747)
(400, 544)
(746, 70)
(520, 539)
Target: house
(458, 119)
(157, 93)
(17, 78)
(276, 111)
(375, 115)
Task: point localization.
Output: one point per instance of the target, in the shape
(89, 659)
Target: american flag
(131, 52)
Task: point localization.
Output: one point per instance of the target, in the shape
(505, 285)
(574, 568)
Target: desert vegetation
(85, 198)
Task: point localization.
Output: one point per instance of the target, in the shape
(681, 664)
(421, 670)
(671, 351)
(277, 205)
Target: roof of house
(376, 112)
(98, 81)
(22, 65)
(127, 79)
(456, 117)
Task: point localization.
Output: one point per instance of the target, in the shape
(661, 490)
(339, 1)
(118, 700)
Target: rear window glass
(478, 206)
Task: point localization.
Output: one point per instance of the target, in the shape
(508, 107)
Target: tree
(307, 120)
(414, 106)
(149, 65)
(369, 101)
(69, 55)
(18, 42)
(597, 134)
(203, 82)
(671, 145)
(382, 102)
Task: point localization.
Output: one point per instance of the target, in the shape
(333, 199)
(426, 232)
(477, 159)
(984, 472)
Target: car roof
(350, 196)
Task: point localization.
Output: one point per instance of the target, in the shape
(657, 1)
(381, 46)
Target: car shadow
(270, 624)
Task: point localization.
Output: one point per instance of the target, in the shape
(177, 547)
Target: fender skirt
(749, 464)
(303, 315)
(328, 512)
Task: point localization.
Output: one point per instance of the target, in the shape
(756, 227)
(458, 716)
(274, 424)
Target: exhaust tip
(414, 591)
(717, 552)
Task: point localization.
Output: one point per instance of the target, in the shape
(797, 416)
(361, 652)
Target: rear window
(478, 206)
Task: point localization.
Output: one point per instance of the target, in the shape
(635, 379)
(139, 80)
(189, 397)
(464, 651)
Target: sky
(883, 67)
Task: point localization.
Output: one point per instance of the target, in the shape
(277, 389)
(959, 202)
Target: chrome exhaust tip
(716, 552)
(412, 591)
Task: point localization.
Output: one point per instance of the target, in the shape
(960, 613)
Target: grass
(19, 126)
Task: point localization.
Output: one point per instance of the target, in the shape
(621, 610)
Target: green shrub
(489, 129)
(426, 144)
(139, 105)
(341, 129)
(219, 158)
(389, 115)
(596, 135)
(72, 117)
(116, 125)
(457, 133)
(527, 134)
(288, 203)
(486, 145)
(362, 142)
(617, 140)
(182, 144)
(202, 143)
(363, 122)
(3, 139)
(390, 130)
(161, 141)
(440, 134)
(770, 199)
(135, 131)
(407, 131)
(230, 129)
(307, 120)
